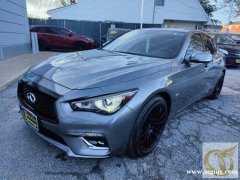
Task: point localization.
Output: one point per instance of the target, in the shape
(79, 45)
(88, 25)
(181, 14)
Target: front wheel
(148, 128)
(218, 88)
(79, 46)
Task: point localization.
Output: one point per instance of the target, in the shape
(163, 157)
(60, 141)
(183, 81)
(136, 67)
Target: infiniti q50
(117, 99)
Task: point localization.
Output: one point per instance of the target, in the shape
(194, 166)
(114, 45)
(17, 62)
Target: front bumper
(92, 152)
(232, 60)
(75, 131)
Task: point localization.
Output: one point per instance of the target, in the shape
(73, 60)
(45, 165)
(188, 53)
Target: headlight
(104, 104)
(88, 39)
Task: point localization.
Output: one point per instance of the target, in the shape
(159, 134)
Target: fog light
(98, 141)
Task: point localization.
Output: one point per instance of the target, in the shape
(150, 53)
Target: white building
(169, 13)
(14, 28)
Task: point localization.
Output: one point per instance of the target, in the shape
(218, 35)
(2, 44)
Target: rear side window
(49, 30)
(38, 29)
(62, 31)
(195, 45)
(41, 29)
(35, 29)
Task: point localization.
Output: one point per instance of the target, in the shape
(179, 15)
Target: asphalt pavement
(23, 155)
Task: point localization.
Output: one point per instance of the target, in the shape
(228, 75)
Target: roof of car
(32, 26)
(120, 29)
(217, 35)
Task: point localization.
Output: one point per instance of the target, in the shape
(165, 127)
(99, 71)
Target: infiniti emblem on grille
(31, 97)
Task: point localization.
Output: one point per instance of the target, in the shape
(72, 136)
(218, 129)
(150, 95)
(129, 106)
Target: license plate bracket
(30, 118)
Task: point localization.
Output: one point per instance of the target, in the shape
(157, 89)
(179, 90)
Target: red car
(51, 37)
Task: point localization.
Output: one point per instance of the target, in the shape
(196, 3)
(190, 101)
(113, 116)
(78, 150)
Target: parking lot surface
(24, 155)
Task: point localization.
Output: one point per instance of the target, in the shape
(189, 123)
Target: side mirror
(70, 34)
(201, 57)
(223, 51)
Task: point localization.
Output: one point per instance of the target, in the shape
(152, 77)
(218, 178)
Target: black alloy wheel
(148, 128)
(80, 46)
(218, 88)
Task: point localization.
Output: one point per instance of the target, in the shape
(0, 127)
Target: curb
(13, 79)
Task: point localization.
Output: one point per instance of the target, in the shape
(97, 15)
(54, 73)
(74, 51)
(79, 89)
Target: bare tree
(39, 8)
(227, 3)
(65, 2)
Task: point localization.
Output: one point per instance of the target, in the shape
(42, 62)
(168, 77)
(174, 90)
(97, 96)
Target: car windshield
(226, 41)
(153, 43)
(235, 37)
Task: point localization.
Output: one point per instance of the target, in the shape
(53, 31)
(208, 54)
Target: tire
(218, 88)
(42, 45)
(79, 46)
(148, 128)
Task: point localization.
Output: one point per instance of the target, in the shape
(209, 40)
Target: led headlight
(104, 104)
(88, 39)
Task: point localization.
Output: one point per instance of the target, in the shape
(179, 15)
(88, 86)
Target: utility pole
(142, 8)
(230, 16)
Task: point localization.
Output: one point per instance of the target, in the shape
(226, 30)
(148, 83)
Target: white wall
(181, 10)
(129, 11)
(14, 28)
(182, 25)
(106, 10)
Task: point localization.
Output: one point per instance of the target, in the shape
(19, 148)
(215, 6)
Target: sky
(39, 8)
(223, 13)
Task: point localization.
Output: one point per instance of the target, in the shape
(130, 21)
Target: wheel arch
(80, 42)
(84, 44)
(167, 98)
(224, 71)
(165, 95)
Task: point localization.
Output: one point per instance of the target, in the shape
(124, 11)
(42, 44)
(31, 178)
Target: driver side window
(62, 31)
(195, 45)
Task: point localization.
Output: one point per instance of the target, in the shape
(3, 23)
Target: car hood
(229, 48)
(97, 68)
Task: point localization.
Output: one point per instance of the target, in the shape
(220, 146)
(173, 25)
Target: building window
(159, 2)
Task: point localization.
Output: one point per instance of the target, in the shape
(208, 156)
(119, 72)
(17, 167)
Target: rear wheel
(148, 128)
(79, 46)
(218, 88)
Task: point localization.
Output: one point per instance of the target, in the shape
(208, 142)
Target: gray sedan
(117, 99)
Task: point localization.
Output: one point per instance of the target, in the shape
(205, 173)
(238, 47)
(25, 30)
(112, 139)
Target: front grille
(44, 106)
